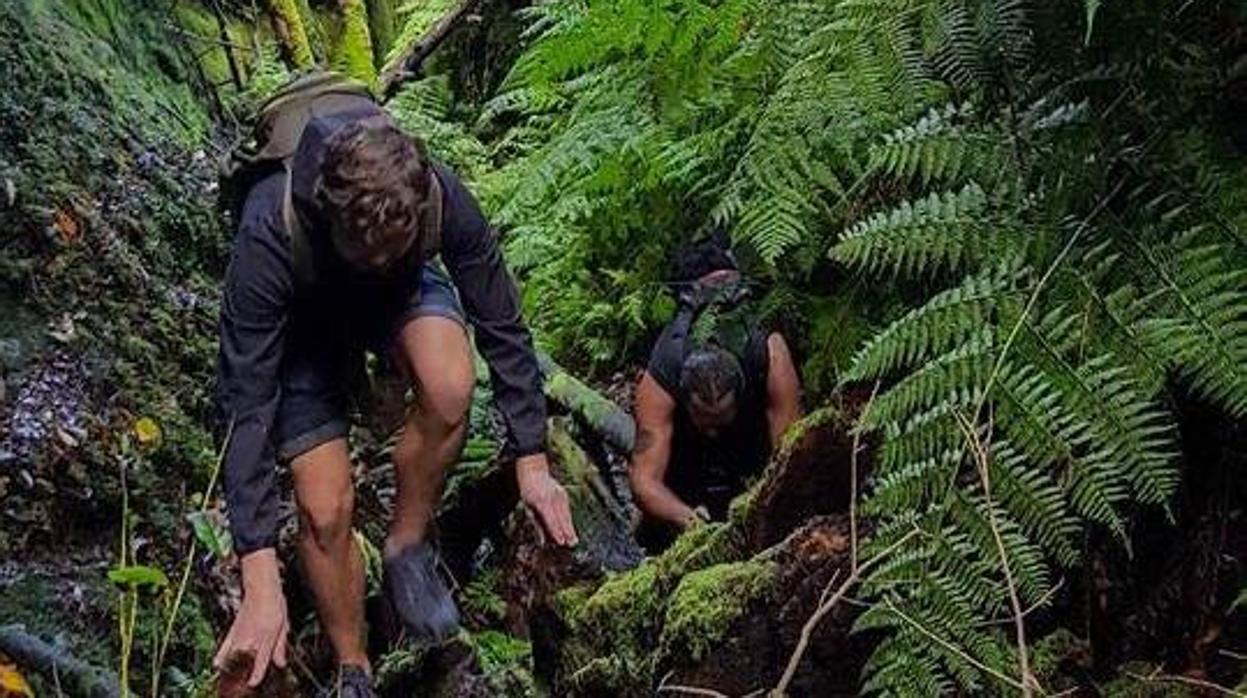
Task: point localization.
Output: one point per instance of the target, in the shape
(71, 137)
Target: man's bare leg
(335, 571)
(438, 359)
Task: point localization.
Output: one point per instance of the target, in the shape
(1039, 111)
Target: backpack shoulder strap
(431, 219)
(301, 259)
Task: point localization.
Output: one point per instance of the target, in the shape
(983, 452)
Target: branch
(1171, 678)
(610, 421)
(825, 606)
(80, 678)
(408, 65)
(664, 687)
(1019, 617)
(892, 608)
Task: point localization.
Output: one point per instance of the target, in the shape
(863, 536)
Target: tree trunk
(724, 608)
(383, 25)
(352, 43)
(288, 25)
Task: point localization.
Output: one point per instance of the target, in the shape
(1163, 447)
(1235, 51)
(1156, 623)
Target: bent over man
(334, 255)
(716, 397)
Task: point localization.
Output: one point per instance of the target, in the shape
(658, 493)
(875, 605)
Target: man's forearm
(261, 572)
(659, 502)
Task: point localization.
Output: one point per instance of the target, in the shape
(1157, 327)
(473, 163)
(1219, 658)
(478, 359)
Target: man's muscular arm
(655, 412)
(783, 389)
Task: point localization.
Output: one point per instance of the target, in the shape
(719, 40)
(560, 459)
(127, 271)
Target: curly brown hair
(374, 186)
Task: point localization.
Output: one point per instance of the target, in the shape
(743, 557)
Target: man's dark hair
(709, 373)
(710, 254)
(374, 182)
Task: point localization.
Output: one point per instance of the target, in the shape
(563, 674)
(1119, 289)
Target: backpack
(278, 126)
(725, 316)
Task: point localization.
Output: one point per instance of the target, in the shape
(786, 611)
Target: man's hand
(261, 626)
(544, 495)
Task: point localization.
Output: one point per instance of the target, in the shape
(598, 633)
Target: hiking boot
(419, 594)
(352, 682)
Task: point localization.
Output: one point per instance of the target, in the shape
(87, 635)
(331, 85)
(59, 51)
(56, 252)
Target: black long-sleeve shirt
(260, 295)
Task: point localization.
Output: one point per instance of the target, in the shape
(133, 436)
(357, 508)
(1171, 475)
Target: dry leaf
(66, 225)
(12, 684)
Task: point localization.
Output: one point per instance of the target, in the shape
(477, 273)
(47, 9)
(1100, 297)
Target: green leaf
(138, 576)
(211, 534)
(1240, 602)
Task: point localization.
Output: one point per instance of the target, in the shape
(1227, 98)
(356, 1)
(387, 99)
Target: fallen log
(614, 425)
(409, 63)
(56, 664)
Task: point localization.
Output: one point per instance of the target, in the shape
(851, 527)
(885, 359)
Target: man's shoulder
(262, 208)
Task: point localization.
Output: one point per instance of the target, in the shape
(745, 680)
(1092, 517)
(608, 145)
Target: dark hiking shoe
(419, 595)
(352, 682)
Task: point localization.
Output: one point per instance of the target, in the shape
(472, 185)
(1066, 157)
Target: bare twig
(1029, 609)
(1019, 618)
(664, 687)
(1158, 677)
(1034, 296)
(825, 607)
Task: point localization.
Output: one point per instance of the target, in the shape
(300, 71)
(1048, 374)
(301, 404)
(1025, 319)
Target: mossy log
(609, 421)
(56, 664)
(724, 607)
(408, 64)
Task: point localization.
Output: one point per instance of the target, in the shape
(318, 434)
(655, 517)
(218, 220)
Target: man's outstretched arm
(252, 328)
(474, 260)
(655, 412)
(783, 389)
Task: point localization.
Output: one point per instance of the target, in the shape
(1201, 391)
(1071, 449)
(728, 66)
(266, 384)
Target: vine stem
(1019, 615)
(857, 444)
(186, 567)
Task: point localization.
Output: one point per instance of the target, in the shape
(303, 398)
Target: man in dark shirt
(714, 401)
(366, 199)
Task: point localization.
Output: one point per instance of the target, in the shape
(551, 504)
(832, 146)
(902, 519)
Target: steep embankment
(108, 244)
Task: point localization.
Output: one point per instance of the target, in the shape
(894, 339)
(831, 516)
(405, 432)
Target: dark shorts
(323, 364)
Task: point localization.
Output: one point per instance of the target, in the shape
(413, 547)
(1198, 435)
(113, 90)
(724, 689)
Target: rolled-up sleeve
(474, 260)
(252, 328)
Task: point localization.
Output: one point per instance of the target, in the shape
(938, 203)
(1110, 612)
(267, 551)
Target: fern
(1058, 248)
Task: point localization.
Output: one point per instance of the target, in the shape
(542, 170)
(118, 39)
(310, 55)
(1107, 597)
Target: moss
(739, 509)
(706, 603)
(293, 35)
(500, 652)
(700, 546)
(351, 50)
(383, 26)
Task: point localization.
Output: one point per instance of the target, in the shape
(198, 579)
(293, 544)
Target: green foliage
(415, 17)
(1050, 203)
(1025, 398)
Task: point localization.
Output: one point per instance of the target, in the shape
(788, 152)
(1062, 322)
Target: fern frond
(949, 230)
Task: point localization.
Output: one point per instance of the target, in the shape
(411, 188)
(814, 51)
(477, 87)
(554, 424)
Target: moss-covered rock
(707, 601)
